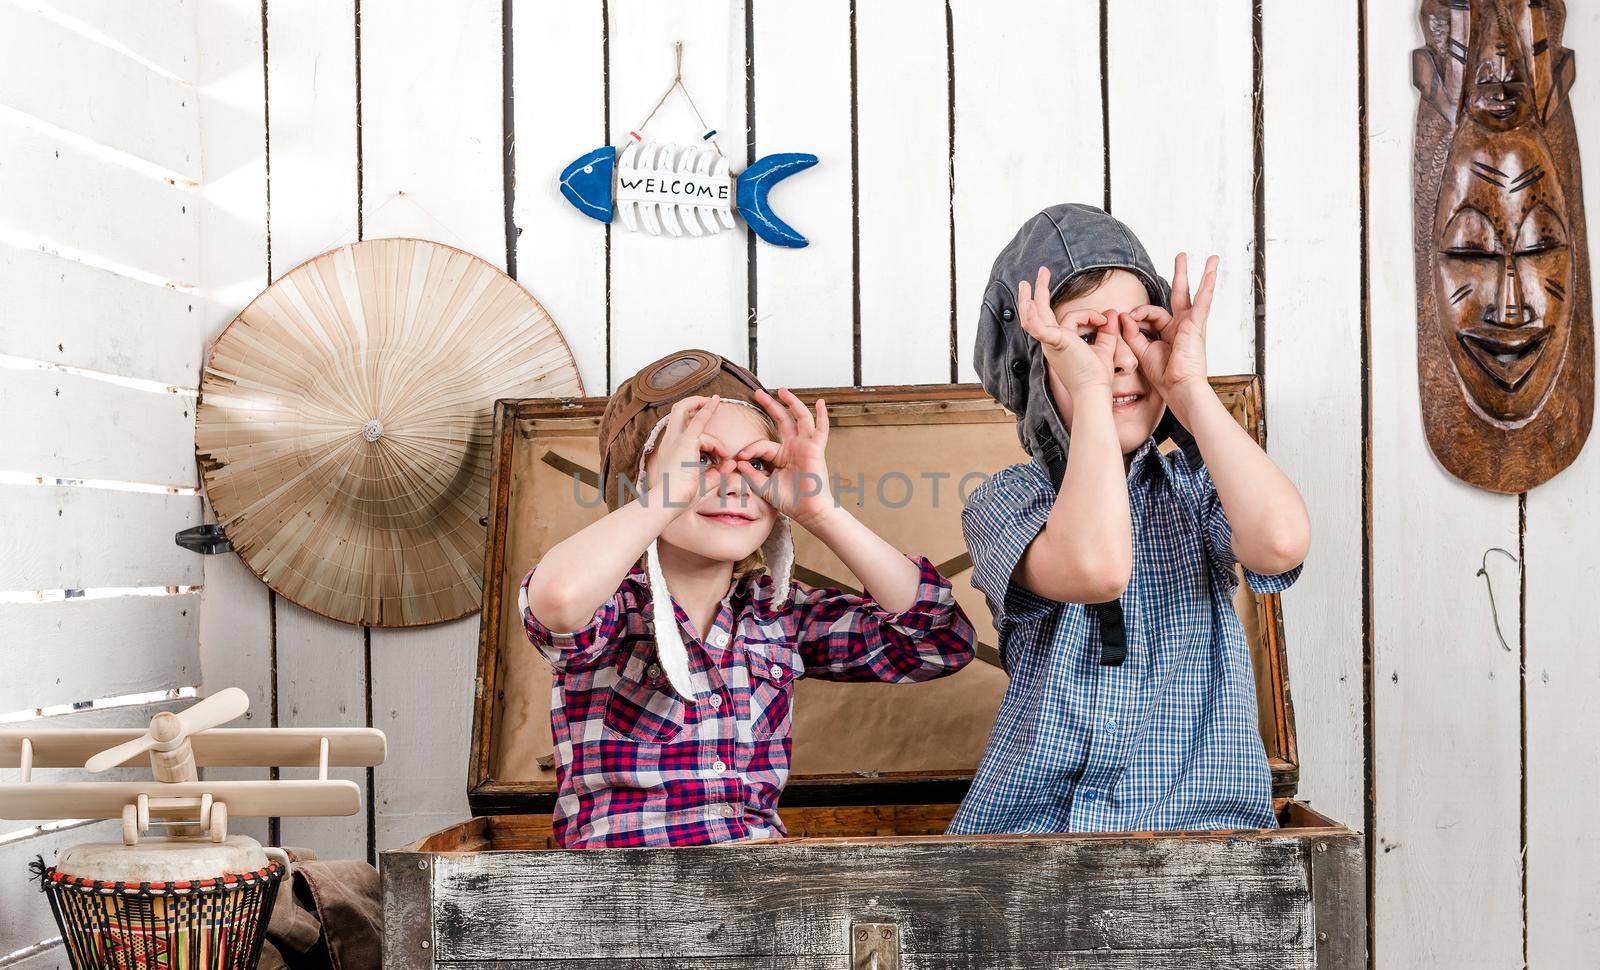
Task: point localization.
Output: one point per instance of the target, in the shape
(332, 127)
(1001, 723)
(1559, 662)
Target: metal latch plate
(874, 946)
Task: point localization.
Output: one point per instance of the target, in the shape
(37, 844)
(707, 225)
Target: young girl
(671, 709)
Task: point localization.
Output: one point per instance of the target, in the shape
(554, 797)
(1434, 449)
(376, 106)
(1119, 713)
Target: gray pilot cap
(1070, 239)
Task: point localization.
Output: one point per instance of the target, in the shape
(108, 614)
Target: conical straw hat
(345, 423)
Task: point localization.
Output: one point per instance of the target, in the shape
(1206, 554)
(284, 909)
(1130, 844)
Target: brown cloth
(328, 916)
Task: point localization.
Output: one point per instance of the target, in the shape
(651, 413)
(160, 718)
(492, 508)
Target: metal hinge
(874, 946)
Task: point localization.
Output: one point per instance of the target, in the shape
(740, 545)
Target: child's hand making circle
(1175, 361)
(1079, 347)
(791, 473)
(683, 451)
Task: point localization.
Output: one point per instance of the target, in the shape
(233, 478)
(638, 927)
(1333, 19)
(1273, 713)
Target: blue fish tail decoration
(753, 186)
(683, 189)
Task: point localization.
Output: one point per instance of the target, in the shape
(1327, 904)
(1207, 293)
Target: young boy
(1110, 567)
(671, 710)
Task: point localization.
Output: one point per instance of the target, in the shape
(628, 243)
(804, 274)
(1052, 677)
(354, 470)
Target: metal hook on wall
(1494, 610)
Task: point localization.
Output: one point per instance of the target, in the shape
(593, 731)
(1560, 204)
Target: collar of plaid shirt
(1169, 739)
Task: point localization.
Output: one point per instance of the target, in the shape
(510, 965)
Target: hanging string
(710, 134)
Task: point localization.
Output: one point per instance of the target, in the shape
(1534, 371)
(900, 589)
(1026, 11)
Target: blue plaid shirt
(1169, 739)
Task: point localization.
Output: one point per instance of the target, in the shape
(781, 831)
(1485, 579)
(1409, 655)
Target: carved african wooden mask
(1505, 329)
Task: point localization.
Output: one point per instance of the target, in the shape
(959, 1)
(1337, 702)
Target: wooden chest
(866, 879)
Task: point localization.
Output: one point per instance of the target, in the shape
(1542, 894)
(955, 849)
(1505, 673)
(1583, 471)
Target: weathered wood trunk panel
(1160, 901)
(1042, 960)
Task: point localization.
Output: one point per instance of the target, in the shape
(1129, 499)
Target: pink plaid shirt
(637, 765)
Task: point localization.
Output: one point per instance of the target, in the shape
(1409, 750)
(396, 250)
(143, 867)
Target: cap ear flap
(1000, 351)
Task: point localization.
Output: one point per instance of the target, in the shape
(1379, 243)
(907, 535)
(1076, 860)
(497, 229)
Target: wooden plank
(1198, 197)
(159, 31)
(133, 109)
(62, 653)
(1009, 164)
(947, 896)
(25, 916)
(61, 425)
(903, 146)
(422, 686)
(233, 203)
(321, 667)
(236, 615)
(83, 538)
(1563, 859)
(322, 682)
(1445, 711)
(558, 98)
(804, 309)
(420, 137)
(236, 650)
(1313, 380)
(312, 85)
(666, 293)
(54, 309)
(58, 195)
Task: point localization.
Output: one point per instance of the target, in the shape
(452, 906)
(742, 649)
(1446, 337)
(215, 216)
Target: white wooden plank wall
(1029, 133)
(236, 625)
(1181, 155)
(1445, 708)
(100, 337)
(432, 150)
(804, 300)
(562, 260)
(1312, 351)
(1562, 666)
(903, 192)
(940, 127)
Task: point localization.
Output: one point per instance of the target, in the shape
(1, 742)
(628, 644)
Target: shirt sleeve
(586, 647)
(1002, 516)
(1219, 541)
(849, 636)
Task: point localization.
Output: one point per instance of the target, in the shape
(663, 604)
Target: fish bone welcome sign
(687, 190)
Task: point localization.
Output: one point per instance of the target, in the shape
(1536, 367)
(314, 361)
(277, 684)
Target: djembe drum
(174, 904)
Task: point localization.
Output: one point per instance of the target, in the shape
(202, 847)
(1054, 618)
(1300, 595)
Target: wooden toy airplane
(178, 745)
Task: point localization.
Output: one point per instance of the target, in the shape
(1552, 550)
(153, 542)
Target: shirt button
(728, 809)
(1089, 794)
(715, 701)
(777, 672)
(654, 672)
(719, 766)
(1111, 727)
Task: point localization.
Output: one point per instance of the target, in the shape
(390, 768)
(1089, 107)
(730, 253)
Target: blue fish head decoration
(587, 183)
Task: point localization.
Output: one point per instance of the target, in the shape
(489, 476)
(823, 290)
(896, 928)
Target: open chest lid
(908, 743)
